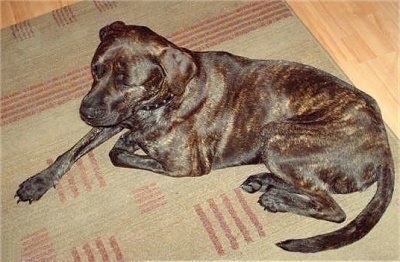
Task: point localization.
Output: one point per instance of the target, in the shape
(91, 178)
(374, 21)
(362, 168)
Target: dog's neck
(157, 104)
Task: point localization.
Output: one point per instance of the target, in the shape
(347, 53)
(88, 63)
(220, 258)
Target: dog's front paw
(35, 187)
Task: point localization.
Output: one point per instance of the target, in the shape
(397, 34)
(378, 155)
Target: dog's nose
(91, 112)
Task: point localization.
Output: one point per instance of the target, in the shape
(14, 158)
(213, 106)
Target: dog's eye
(99, 70)
(123, 81)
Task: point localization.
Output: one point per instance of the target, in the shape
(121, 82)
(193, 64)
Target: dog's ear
(112, 29)
(179, 69)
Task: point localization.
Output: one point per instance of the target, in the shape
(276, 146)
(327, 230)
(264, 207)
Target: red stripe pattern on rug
(98, 250)
(231, 25)
(22, 31)
(219, 229)
(45, 95)
(64, 16)
(75, 84)
(38, 247)
(149, 198)
(105, 5)
(81, 178)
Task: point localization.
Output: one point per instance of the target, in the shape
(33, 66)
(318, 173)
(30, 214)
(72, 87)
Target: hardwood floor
(13, 12)
(361, 36)
(363, 39)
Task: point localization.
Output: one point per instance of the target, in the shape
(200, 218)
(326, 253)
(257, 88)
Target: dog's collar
(156, 105)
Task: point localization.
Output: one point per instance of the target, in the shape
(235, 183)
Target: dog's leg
(123, 155)
(36, 186)
(319, 205)
(314, 158)
(280, 196)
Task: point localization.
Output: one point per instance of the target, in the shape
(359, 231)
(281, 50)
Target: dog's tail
(357, 228)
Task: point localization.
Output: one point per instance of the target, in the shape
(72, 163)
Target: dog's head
(133, 69)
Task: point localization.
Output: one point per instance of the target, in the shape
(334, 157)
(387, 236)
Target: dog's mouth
(111, 119)
(104, 117)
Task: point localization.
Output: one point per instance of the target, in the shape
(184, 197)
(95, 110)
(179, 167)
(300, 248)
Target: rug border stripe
(247, 12)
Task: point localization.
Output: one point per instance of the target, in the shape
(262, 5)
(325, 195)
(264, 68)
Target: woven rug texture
(102, 213)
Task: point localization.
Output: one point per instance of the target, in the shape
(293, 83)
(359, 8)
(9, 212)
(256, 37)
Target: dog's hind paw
(35, 187)
(252, 184)
(264, 182)
(269, 203)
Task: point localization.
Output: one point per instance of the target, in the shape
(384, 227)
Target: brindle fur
(192, 112)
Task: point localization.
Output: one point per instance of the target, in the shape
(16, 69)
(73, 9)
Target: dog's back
(245, 95)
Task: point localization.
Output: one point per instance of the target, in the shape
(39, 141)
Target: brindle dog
(192, 112)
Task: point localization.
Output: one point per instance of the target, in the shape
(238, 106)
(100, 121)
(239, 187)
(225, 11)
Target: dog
(192, 112)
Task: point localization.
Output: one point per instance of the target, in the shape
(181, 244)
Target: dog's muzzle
(91, 113)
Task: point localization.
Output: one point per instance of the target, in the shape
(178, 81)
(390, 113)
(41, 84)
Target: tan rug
(102, 213)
